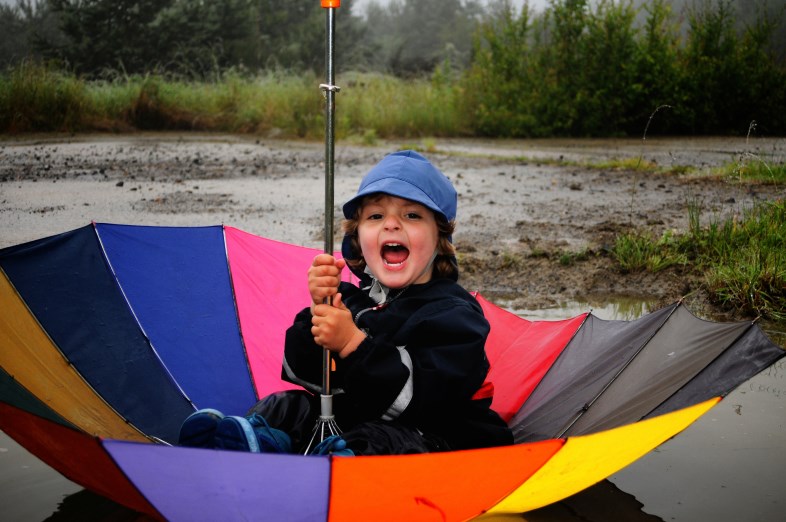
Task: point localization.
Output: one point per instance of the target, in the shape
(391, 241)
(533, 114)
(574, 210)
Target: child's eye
(373, 217)
(412, 215)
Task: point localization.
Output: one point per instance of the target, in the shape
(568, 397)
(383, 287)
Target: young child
(408, 343)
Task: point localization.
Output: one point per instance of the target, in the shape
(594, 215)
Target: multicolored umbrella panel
(110, 335)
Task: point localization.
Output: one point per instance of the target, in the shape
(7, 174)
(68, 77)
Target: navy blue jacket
(421, 364)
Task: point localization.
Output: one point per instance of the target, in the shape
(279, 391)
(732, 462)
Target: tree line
(616, 68)
(199, 38)
(578, 68)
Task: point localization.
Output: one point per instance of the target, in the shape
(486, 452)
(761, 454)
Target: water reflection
(623, 309)
(730, 465)
(603, 502)
(773, 381)
(86, 506)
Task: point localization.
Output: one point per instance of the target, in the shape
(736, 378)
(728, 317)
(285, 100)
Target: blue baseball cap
(406, 174)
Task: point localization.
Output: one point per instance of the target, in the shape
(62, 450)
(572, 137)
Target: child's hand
(334, 329)
(324, 275)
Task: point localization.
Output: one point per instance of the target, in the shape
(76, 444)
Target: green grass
(637, 251)
(628, 164)
(742, 258)
(394, 107)
(34, 97)
(571, 258)
(753, 168)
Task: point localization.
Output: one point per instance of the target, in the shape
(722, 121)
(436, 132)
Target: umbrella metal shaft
(330, 145)
(330, 115)
(326, 425)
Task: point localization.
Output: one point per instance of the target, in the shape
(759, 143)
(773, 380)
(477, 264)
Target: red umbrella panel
(111, 335)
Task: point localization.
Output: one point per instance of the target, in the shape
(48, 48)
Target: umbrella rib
(747, 329)
(68, 361)
(237, 314)
(608, 384)
(136, 318)
(562, 351)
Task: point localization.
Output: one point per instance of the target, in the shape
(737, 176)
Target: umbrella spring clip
(325, 87)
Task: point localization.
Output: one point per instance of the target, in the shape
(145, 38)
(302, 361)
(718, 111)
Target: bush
(588, 69)
(34, 97)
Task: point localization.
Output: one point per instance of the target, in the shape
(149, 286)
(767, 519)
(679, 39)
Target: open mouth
(393, 254)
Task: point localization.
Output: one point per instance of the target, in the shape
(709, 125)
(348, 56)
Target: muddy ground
(535, 223)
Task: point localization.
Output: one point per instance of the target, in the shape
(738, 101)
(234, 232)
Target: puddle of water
(29, 489)
(730, 465)
(624, 309)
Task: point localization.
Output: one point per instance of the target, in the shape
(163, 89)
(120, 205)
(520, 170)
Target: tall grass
(34, 97)
(394, 107)
(752, 167)
(742, 258)
(637, 251)
(286, 103)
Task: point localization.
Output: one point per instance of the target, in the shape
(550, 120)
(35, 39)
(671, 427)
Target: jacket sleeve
(432, 365)
(302, 362)
(303, 358)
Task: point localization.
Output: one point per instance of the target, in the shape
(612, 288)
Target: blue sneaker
(333, 445)
(236, 434)
(270, 439)
(251, 434)
(199, 428)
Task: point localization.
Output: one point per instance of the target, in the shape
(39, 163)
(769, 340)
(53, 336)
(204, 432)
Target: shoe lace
(258, 421)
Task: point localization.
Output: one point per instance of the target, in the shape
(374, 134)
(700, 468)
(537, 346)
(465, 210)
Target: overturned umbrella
(110, 335)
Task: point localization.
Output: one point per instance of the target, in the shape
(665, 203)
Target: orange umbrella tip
(330, 3)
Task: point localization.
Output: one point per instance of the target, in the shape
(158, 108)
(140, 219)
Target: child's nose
(392, 223)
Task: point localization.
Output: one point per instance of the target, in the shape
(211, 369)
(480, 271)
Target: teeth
(392, 250)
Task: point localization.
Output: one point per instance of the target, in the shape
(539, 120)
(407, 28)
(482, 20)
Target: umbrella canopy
(111, 335)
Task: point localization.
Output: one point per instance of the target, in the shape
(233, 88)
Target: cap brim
(392, 187)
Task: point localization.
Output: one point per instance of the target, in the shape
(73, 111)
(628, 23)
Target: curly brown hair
(444, 264)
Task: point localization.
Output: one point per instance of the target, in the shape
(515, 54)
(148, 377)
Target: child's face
(398, 238)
